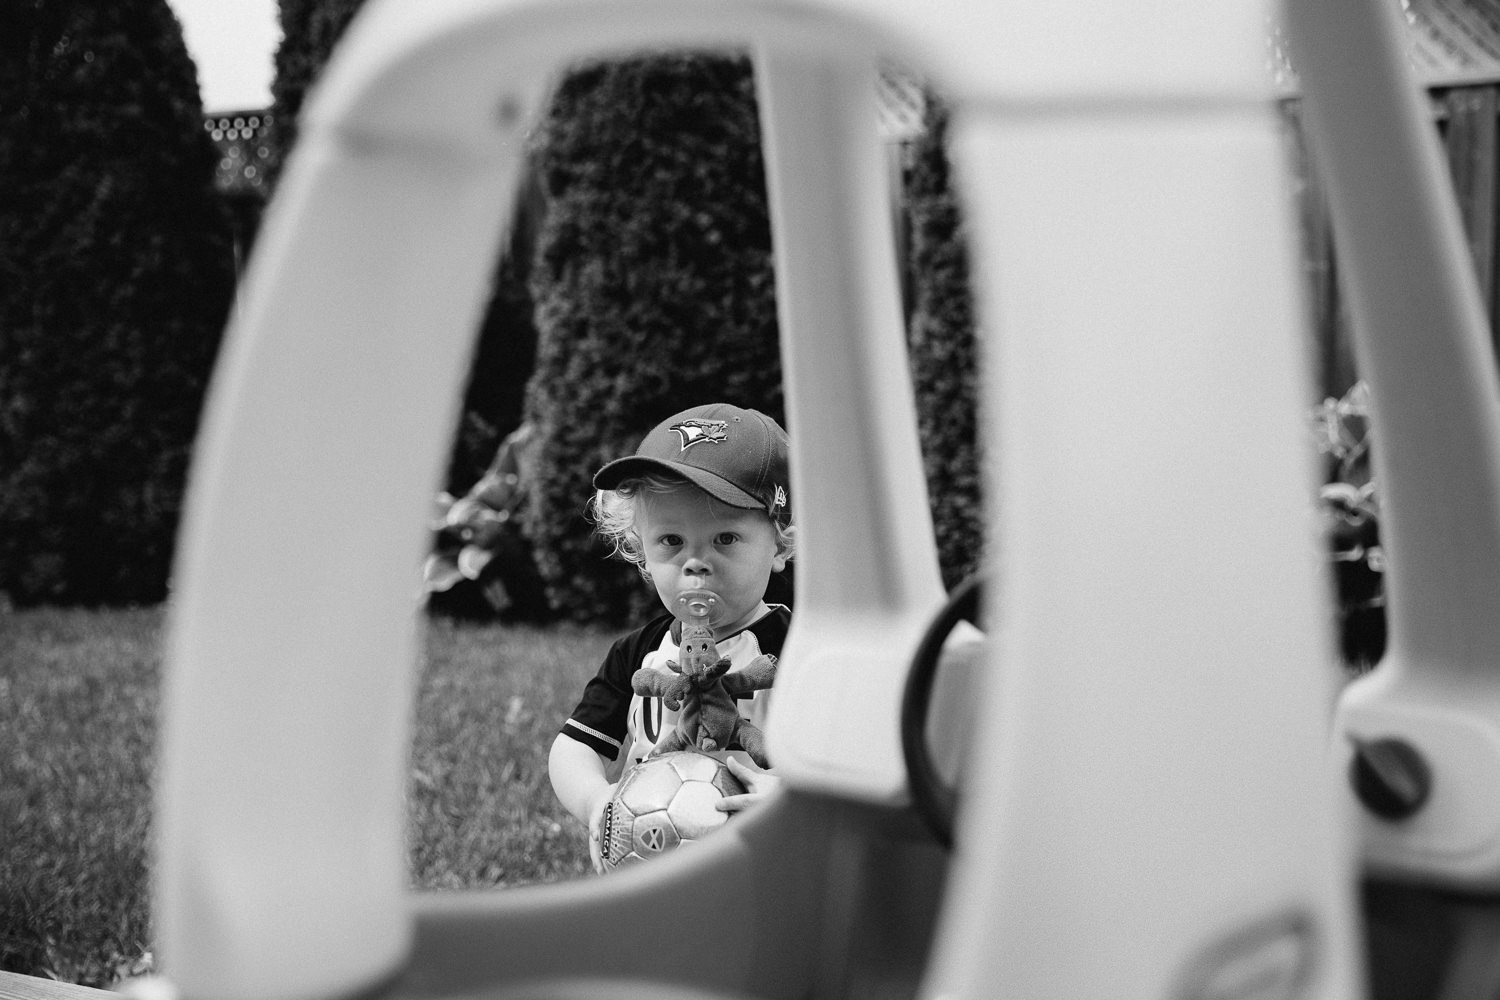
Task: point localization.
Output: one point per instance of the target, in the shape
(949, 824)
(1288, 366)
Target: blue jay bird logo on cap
(697, 431)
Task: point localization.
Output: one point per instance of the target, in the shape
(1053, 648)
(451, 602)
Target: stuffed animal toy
(701, 689)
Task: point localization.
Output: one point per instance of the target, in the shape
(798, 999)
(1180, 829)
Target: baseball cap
(735, 455)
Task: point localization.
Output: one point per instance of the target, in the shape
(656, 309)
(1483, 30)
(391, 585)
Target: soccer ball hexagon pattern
(662, 803)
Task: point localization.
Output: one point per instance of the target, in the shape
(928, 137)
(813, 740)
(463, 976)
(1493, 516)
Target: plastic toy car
(1155, 797)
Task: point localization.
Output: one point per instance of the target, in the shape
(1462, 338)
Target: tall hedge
(504, 352)
(309, 31)
(943, 349)
(116, 277)
(653, 287)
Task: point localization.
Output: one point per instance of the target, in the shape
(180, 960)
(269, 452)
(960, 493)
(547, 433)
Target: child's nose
(695, 566)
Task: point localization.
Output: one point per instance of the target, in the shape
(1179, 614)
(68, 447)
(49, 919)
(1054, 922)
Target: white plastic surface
(1422, 342)
(287, 687)
(1151, 810)
(402, 53)
(1152, 759)
(1154, 780)
(867, 571)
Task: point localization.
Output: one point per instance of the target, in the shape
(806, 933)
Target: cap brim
(716, 486)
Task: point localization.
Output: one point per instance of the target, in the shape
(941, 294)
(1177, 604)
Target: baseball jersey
(623, 726)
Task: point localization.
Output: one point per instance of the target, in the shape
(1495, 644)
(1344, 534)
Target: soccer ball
(662, 803)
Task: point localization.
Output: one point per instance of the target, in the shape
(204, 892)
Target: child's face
(693, 541)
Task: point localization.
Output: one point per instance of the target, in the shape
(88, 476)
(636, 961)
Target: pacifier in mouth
(696, 605)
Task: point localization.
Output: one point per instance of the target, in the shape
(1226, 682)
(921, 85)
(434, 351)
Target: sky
(233, 43)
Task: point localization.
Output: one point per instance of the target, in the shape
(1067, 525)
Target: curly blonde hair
(614, 512)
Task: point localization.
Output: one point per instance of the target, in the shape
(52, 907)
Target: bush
(116, 276)
(309, 31)
(653, 288)
(943, 350)
(505, 352)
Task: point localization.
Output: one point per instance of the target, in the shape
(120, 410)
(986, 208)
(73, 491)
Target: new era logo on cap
(737, 455)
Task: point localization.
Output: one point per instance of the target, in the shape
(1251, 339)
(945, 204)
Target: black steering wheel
(935, 800)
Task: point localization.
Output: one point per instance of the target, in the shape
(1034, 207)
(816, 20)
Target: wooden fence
(1466, 120)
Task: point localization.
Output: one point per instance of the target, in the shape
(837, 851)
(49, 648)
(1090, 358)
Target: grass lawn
(78, 699)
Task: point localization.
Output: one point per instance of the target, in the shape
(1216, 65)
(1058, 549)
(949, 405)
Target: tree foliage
(309, 31)
(116, 276)
(653, 287)
(504, 352)
(944, 350)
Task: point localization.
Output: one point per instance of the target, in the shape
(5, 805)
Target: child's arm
(578, 780)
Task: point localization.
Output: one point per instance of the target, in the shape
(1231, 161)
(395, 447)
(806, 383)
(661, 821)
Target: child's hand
(596, 826)
(760, 785)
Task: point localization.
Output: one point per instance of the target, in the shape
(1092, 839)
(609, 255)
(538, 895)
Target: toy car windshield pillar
(1422, 343)
(867, 571)
(1161, 665)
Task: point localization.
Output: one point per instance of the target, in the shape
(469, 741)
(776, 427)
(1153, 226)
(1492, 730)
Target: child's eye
(671, 541)
(727, 538)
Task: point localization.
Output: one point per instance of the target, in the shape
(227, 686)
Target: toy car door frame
(1151, 714)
